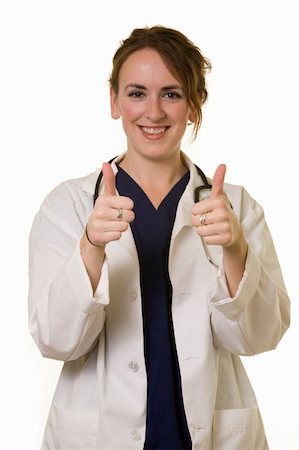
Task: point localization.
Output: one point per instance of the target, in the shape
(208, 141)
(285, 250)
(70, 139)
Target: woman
(150, 295)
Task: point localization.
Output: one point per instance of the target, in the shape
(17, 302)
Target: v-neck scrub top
(166, 425)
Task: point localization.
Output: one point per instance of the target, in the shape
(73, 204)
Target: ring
(202, 219)
(119, 213)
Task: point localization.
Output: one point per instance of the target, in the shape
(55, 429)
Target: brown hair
(183, 59)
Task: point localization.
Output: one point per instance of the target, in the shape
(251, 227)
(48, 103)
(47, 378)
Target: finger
(200, 220)
(116, 226)
(109, 236)
(218, 180)
(110, 214)
(109, 180)
(104, 233)
(207, 205)
(222, 239)
(222, 229)
(114, 201)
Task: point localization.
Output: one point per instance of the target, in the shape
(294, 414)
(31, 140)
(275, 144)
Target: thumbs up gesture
(214, 218)
(112, 213)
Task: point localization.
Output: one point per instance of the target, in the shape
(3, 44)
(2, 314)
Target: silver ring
(202, 219)
(119, 213)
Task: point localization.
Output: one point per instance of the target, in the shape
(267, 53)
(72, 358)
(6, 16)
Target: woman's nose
(155, 111)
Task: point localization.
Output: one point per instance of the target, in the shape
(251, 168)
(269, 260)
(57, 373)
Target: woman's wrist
(93, 257)
(89, 240)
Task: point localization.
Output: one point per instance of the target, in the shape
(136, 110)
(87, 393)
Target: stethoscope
(197, 191)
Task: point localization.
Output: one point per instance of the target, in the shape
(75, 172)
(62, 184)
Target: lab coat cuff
(81, 285)
(101, 294)
(232, 306)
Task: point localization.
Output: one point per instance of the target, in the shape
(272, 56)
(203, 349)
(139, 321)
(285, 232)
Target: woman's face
(152, 105)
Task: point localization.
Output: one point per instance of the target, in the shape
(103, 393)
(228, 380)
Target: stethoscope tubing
(206, 185)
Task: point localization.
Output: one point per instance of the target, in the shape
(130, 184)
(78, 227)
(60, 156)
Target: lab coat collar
(195, 180)
(91, 179)
(184, 215)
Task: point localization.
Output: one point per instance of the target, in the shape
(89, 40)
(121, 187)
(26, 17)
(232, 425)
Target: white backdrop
(56, 59)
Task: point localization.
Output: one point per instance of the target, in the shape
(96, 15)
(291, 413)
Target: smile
(153, 132)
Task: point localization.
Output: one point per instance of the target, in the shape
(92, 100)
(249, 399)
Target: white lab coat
(100, 400)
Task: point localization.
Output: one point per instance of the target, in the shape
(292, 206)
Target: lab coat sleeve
(65, 318)
(255, 319)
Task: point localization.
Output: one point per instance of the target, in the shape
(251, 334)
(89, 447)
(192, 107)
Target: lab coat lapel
(184, 214)
(127, 241)
(213, 253)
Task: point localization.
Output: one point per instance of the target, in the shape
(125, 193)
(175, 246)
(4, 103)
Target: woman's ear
(191, 118)
(114, 109)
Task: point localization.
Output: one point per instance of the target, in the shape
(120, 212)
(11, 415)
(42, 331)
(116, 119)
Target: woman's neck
(154, 172)
(156, 178)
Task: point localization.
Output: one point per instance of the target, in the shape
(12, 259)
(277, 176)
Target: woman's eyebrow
(171, 86)
(164, 88)
(135, 86)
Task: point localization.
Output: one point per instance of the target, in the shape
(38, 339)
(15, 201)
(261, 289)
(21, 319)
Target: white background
(56, 59)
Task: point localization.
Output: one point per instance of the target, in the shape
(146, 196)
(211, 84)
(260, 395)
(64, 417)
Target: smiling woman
(149, 297)
(184, 61)
(154, 111)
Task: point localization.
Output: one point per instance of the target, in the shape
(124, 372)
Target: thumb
(218, 180)
(109, 180)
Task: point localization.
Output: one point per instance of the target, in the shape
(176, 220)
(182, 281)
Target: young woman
(150, 293)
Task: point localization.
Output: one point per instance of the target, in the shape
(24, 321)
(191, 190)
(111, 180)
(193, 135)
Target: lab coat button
(132, 296)
(133, 366)
(135, 435)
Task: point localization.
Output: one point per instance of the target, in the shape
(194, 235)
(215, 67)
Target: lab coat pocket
(71, 429)
(238, 429)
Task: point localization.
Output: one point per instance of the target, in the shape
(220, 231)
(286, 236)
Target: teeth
(153, 130)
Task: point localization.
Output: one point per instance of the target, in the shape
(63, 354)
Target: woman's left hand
(214, 218)
(217, 224)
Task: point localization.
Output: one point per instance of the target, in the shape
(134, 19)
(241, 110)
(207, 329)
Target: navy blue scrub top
(166, 425)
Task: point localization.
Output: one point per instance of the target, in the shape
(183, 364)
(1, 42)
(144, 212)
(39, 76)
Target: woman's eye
(172, 95)
(136, 94)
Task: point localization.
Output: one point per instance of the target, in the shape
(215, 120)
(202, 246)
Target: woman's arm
(65, 314)
(69, 285)
(255, 318)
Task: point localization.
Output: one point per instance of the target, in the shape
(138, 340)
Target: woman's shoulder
(71, 197)
(75, 187)
(241, 200)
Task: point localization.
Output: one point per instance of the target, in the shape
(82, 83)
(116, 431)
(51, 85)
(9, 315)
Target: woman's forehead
(146, 66)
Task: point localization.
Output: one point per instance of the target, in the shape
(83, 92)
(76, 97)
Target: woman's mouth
(153, 132)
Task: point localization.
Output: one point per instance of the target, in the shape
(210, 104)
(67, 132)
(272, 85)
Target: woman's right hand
(112, 213)
(110, 217)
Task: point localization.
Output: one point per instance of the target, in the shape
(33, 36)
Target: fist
(214, 218)
(112, 213)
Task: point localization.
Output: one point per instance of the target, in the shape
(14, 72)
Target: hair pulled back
(183, 59)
